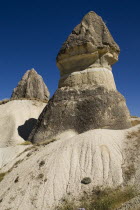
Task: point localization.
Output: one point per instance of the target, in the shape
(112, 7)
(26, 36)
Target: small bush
(29, 154)
(41, 163)
(2, 175)
(40, 176)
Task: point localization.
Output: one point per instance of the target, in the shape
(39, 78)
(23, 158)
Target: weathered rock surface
(54, 171)
(79, 111)
(31, 86)
(87, 97)
(89, 44)
(8, 155)
(18, 117)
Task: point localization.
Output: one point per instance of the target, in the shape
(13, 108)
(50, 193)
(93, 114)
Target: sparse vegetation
(29, 154)
(29, 99)
(35, 146)
(4, 101)
(18, 162)
(130, 171)
(135, 122)
(26, 143)
(48, 141)
(107, 199)
(40, 176)
(41, 163)
(133, 134)
(16, 180)
(2, 175)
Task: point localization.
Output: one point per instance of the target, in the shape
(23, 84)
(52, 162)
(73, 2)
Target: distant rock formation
(19, 116)
(87, 97)
(31, 86)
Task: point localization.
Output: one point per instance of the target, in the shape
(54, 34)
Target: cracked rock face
(87, 97)
(31, 86)
(89, 44)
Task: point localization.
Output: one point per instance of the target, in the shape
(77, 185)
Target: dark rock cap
(31, 86)
(89, 42)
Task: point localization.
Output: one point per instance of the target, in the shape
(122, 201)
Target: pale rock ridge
(96, 154)
(95, 76)
(87, 97)
(54, 171)
(31, 86)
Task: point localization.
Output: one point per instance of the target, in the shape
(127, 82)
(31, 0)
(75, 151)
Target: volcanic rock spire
(87, 97)
(89, 44)
(31, 86)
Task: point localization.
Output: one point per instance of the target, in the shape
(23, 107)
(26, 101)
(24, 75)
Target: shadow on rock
(25, 129)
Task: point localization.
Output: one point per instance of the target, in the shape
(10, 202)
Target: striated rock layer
(31, 86)
(43, 176)
(87, 97)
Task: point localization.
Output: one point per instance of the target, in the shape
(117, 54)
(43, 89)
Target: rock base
(80, 110)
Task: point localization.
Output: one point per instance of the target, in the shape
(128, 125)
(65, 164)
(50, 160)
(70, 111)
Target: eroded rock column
(87, 97)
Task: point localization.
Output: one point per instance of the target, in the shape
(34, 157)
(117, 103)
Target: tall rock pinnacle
(87, 97)
(31, 86)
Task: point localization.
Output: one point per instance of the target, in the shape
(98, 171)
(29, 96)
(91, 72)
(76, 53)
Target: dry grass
(29, 99)
(135, 122)
(4, 101)
(48, 141)
(100, 200)
(133, 134)
(26, 143)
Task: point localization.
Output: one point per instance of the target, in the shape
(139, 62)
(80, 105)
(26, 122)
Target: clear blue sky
(32, 32)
